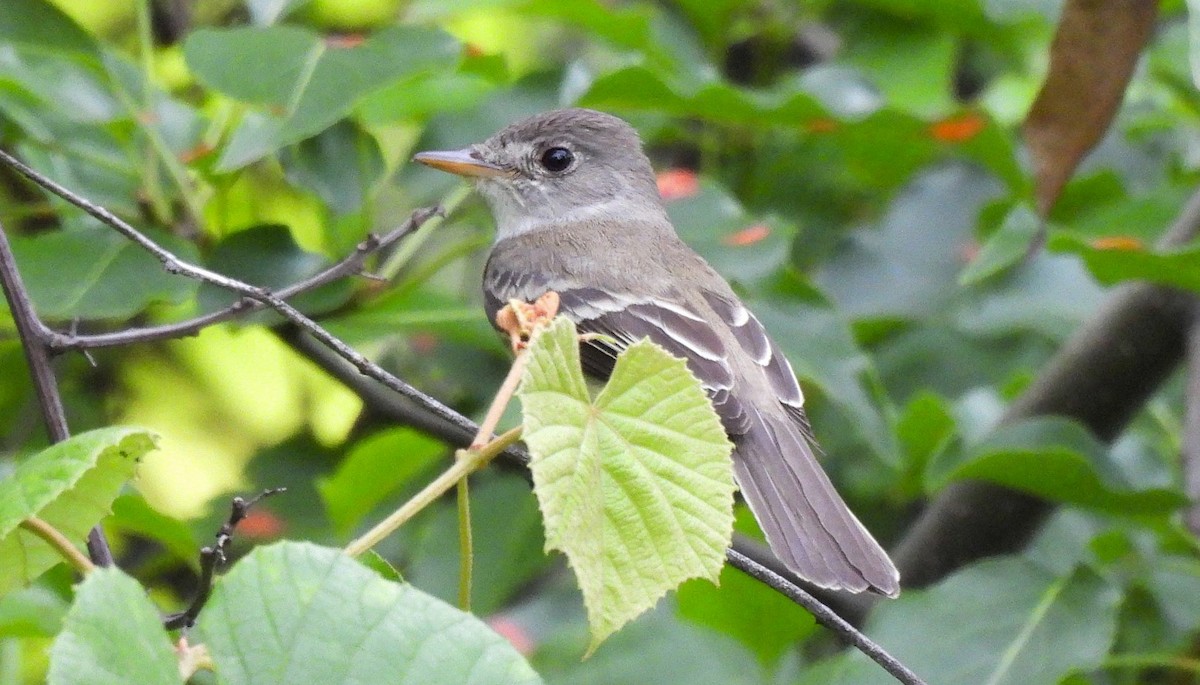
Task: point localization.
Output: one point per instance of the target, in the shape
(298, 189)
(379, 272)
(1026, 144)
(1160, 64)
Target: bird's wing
(805, 520)
(682, 332)
(808, 525)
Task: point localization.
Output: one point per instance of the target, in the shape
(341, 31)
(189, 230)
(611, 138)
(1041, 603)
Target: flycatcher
(577, 211)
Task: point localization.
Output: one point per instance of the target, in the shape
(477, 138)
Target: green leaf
(657, 649)
(112, 635)
(1112, 260)
(42, 25)
(307, 82)
(739, 245)
(924, 429)
(636, 486)
(268, 255)
(70, 486)
(34, 611)
(906, 265)
(1001, 622)
(374, 469)
(1005, 247)
(508, 542)
(1059, 460)
(268, 12)
(334, 621)
(740, 607)
(1193, 9)
(640, 88)
(414, 310)
(132, 514)
(340, 165)
(111, 277)
(921, 82)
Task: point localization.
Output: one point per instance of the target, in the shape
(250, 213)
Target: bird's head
(556, 166)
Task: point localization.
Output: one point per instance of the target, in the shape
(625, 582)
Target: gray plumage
(596, 232)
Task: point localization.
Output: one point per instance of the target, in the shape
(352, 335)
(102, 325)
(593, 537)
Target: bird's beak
(460, 162)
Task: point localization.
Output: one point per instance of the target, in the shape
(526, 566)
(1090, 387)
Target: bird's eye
(557, 159)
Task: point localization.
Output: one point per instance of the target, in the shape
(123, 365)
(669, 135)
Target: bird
(577, 211)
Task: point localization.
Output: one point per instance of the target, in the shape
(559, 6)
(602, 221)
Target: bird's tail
(806, 522)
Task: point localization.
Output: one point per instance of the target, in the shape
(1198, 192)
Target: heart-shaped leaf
(636, 486)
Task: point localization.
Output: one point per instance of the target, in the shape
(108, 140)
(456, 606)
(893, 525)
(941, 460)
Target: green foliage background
(850, 158)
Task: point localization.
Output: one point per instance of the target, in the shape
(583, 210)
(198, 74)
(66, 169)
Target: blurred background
(854, 167)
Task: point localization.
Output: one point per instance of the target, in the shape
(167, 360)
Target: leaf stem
(466, 543)
(51, 536)
(496, 411)
(470, 461)
(486, 428)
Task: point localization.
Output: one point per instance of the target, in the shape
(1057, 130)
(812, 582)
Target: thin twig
(211, 557)
(174, 265)
(349, 265)
(51, 536)
(34, 336)
(824, 616)
(503, 396)
(471, 462)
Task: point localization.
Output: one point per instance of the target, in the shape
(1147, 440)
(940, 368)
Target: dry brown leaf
(1093, 55)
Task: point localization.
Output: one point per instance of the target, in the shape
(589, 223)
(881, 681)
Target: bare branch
(824, 616)
(174, 265)
(350, 265)
(211, 557)
(34, 336)
(1101, 377)
(414, 411)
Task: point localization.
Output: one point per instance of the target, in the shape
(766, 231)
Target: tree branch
(174, 265)
(1101, 377)
(414, 411)
(824, 616)
(417, 407)
(212, 556)
(351, 264)
(34, 336)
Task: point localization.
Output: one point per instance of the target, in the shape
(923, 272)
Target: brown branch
(824, 615)
(174, 265)
(352, 264)
(455, 429)
(34, 336)
(211, 557)
(1101, 377)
